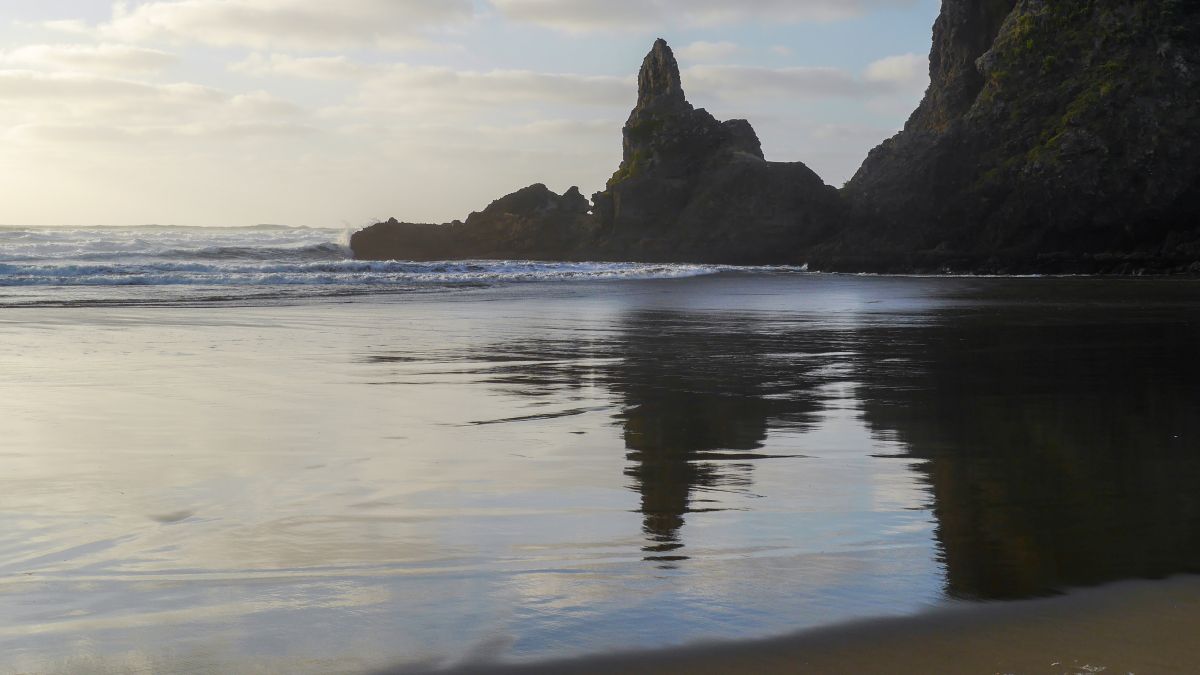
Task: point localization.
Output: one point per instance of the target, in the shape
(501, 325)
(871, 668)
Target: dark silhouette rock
(1058, 137)
(689, 189)
(532, 223)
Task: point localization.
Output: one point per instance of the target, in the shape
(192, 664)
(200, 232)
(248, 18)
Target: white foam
(257, 257)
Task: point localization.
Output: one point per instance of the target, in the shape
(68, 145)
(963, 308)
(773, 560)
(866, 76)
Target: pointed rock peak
(659, 86)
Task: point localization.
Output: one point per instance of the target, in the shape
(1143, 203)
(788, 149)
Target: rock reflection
(698, 400)
(697, 396)
(1060, 443)
(1061, 450)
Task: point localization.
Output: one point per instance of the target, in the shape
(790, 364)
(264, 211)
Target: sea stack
(689, 189)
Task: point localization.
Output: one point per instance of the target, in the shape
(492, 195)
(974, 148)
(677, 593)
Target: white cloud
(293, 24)
(885, 78)
(905, 71)
(781, 50)
(588, 15)
(400, 87)
(850, 133)
(402, 83)
(68, 107)
(707, 51)
(310, 68)
(738, 82)
(21, 88)
(105, 58)
(68, 26)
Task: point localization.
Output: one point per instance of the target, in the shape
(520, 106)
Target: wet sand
(529, 472)
(1133, 627)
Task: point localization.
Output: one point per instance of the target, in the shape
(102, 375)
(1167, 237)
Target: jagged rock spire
(659, 86)
(666, 136)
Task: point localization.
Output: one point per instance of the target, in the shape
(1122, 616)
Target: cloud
(68, 107)
(856, 133)
(905, 71)
(68, 26)
(405, 83)
(207, 131)
(739, 82)
(309, 68)
(400, 87)
(103, 58)
(22, 88)
(707, 51)
(590, 15)
(894, 75)
(292, 24)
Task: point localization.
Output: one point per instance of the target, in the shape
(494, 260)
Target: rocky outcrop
(1055, 137)
(692, 188)
(532, 223)
(689, 189)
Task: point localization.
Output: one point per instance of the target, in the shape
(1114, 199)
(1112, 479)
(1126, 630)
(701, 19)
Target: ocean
(160, 264)
(239, 450)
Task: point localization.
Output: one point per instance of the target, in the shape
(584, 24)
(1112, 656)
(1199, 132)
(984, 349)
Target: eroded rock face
(667, 137)
(1055, 136)
(692, 188)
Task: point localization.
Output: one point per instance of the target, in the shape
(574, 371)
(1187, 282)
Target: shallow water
(524, 470)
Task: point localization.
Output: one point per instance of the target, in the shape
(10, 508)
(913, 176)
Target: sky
(340, 114)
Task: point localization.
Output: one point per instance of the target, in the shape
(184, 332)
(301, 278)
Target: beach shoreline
(1128, 627)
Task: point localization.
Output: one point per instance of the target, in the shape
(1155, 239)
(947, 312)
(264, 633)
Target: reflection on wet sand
(698, 397)
(697, 403)
(1062, 450)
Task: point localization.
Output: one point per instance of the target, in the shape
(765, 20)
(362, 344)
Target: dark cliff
(1055, 136)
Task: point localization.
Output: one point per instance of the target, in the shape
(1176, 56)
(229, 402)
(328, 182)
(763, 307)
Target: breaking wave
(256, 258)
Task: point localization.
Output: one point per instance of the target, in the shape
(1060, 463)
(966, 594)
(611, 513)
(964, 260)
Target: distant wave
(322, 251)
(345, 272)
(41, 265)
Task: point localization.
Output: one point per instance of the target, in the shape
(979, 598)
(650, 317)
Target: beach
(501, 469)
(1134, 627)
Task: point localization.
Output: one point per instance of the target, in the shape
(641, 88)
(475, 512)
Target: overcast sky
(324, 113)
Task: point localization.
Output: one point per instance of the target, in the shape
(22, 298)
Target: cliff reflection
(1062, 450)
(698, 401)
(1059, 441)
(697, 395)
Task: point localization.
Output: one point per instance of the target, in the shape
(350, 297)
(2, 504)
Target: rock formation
(689, 189)
(533, 223)
(1055, 136)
